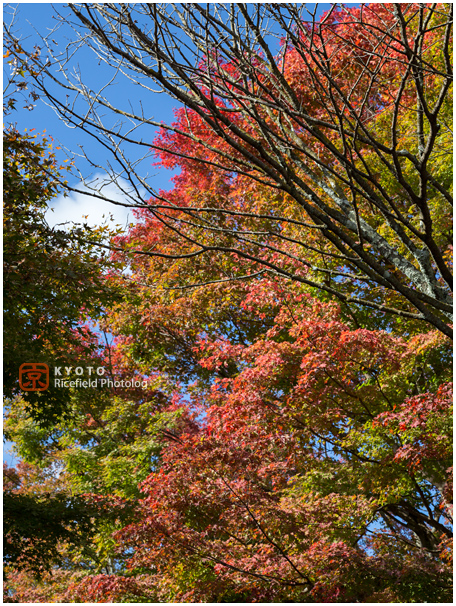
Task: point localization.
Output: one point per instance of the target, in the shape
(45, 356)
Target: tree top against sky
(345, 113)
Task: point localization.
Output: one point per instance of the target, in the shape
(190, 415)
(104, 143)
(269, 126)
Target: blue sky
(40, 18)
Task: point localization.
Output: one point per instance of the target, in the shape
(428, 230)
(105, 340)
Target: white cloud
(75, 206)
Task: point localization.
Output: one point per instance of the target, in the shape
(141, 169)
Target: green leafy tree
(35, 524)
(52, 280)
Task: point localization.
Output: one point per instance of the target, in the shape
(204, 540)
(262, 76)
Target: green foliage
(35, 527)
(52, 278)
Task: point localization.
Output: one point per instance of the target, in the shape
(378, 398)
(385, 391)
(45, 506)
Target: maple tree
(313, 465)
(318, 441)
(290, 444)
(329, 133)
(35, 524)
(84, 470)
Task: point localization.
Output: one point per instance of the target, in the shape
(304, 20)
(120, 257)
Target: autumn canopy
(276, 324)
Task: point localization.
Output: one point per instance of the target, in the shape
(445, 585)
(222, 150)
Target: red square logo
(34, 377)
